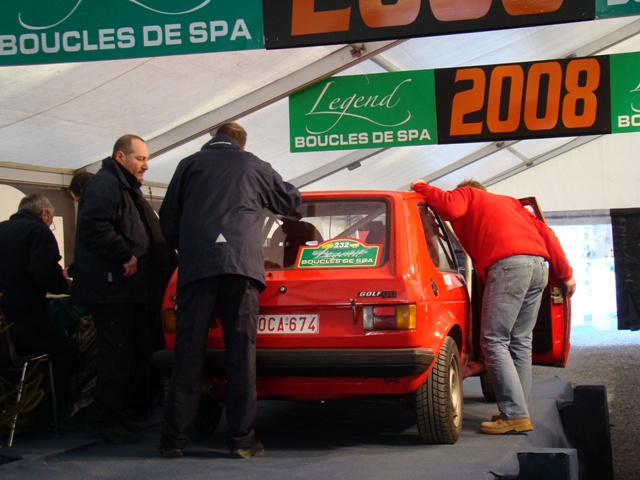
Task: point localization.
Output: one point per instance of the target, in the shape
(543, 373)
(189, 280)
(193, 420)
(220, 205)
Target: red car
(368, 295)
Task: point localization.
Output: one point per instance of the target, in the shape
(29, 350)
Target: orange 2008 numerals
(553, 72)
(456, 10)
(499, 75)
(509, 108)
(307, 18)
(468, 101)
(581, 103)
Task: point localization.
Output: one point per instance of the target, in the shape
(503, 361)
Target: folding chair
(11, 361)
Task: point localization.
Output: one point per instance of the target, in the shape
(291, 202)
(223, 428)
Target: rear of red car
(362, 291)
(366, 297)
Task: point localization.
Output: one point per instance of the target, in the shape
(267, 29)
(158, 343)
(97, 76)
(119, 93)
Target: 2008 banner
(292, 23)
(551, 98)
(524, 100)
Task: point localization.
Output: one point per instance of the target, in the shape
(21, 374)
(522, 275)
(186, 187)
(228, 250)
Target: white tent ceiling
(55, 119)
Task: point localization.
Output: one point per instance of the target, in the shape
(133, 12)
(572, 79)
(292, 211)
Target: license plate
(288, 324)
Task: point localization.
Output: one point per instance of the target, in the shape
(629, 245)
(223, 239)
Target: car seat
(376, 235)
(292, 235)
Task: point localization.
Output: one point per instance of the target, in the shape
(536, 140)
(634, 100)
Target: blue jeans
(510, 305)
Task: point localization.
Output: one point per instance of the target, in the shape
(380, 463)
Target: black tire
(208, 417)
(439, 401)
(487, 387)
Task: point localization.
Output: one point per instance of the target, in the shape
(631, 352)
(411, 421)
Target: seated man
(28, 270)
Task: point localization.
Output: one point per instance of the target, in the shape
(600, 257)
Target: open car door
(551, 335)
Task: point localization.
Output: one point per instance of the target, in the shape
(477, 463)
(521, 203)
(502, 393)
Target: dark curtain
(625, 226)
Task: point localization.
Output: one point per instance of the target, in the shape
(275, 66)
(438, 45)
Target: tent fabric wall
(599, 175)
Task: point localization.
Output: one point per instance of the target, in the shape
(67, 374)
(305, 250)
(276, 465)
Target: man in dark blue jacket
(212, 214)
(29, 269)
(113, 274)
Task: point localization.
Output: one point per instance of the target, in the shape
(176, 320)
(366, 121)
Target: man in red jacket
(509, 248)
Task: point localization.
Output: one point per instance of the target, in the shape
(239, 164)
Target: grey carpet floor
(611, 358)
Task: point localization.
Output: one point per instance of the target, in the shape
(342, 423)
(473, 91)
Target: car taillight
(169, 320)
(389, 317)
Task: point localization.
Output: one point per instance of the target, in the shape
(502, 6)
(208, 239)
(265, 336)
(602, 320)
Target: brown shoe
(255, 450)
(502, 426)
(496, 416)
(169, 452)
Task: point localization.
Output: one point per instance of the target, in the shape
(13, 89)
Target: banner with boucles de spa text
(364, 111)
(546, 98)
(39, 32)
(625, 92)
(617, 8)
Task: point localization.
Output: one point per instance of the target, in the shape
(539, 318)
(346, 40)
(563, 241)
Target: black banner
(625, 227)
(524, 100)
(297, 23)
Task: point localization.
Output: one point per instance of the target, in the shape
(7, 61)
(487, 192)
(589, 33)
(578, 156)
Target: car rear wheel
(487, 387)
(439, 400)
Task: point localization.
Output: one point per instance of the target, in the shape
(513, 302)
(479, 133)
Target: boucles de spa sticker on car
(339, 253)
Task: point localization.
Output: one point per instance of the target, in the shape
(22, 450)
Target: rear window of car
(328, 234)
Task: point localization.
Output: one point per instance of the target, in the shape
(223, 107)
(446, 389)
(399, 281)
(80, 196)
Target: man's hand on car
(416, 182)
(570, 286)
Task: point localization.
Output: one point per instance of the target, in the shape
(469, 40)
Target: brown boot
(502, 426)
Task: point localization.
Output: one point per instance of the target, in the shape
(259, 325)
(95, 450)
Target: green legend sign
(36, 32)
(625, 92)
(364, 111)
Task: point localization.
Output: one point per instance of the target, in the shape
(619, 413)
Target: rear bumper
(320, 362)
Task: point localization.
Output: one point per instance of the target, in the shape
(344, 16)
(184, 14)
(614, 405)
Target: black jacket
(29, 265)
(110, 228)
(213, 208)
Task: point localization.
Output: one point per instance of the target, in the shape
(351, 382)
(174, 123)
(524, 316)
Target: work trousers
(235, 297)
(510, 305)
(123, 360)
